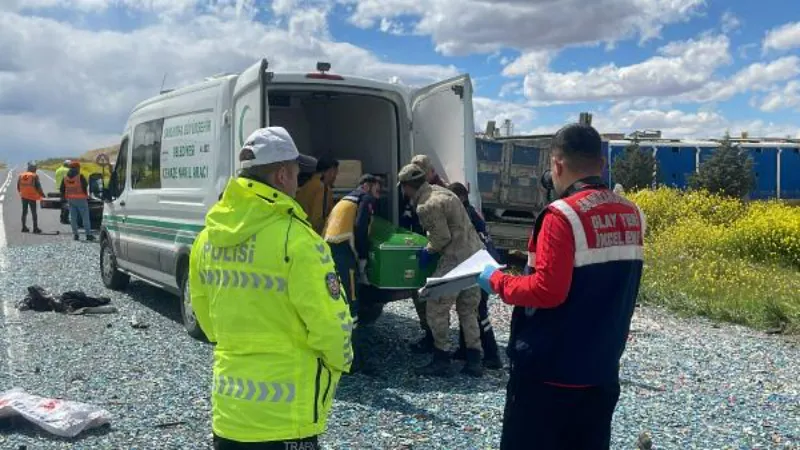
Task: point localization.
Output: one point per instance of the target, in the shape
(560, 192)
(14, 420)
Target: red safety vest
(27, 186)
(73, 189)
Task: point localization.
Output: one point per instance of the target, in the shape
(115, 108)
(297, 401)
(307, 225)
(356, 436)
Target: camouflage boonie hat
(423, 161)
(410, 172)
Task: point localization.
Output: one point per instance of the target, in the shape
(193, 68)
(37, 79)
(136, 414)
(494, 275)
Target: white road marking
(12, 325)
(48, 176)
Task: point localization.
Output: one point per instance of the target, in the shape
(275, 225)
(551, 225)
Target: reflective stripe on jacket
(264, 288)
(29, 188)
(73, 188)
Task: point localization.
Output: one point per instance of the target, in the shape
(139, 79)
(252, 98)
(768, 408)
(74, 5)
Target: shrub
(728, 172)
(634, 169)
(721, 257)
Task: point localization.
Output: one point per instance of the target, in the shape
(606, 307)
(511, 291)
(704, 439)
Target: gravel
(687, 382)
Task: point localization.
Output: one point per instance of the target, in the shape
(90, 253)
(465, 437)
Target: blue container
(615, 151)
(790, 173)
(675, 164)
(765, 167)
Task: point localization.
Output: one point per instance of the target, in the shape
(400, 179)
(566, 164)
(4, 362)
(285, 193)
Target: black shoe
(76, 238)
(37, 231)
(25, 229)
(90, 238)
(460, 354)
(424, 345)
(473, 367)
(438, 367)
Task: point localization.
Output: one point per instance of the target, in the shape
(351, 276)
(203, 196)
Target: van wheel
(112, 277)
(187, 313)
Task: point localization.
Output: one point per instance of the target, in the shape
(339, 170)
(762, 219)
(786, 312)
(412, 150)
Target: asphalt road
(11, 208)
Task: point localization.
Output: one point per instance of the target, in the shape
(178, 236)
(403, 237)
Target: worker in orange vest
(75, 191)
(30, 191)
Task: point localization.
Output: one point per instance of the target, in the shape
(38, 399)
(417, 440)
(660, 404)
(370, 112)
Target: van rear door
(443, 129)
(250, 109)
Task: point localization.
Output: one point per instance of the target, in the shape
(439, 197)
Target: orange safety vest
(27, 186)
(73, 189)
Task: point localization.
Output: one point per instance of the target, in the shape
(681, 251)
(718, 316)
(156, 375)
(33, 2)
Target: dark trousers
(347, 269)
(540, 416)
(32, 205)
(310, 443)
(488, 341)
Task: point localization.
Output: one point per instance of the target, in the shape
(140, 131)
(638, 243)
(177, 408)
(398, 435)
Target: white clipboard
(463, 276)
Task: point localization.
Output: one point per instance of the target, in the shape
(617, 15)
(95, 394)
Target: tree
(634, 169)
(728, 172)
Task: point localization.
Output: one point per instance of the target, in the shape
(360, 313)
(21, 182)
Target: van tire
(109, 271)
(187, 315)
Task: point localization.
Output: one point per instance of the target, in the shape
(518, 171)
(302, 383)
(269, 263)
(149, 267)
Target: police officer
(410, 221)
(573, 313)
(30, 191)
(451, 236)
(264, 288)
(347, 233)
(491, 354)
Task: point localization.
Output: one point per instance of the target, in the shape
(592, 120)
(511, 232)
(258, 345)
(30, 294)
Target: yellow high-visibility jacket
(264, 288)
(60, 173)
(316, 200)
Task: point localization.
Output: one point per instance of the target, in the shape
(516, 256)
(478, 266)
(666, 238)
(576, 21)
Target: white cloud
(729, 22)
(785, 37)
(512, 87)
(755, 77)
(392, 27)
(675, 123)
(56, 76)
(467, 26)
(528, 62)
(681, 67)
(486, 109)
(788, 97)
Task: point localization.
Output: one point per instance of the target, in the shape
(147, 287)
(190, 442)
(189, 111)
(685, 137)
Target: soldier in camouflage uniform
(452, 237)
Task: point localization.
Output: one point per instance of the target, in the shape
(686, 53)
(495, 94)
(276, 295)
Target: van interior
(343, 126)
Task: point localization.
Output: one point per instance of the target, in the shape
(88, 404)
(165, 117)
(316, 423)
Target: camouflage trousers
(438, 318)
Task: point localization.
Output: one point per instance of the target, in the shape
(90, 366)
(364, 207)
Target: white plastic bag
(60, 417)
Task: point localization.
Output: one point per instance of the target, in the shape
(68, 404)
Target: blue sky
(691, 68)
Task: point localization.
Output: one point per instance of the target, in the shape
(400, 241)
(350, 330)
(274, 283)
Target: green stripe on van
(181, 233)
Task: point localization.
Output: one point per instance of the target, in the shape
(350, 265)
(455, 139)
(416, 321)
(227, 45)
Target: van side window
(120, 170)
(146, 155)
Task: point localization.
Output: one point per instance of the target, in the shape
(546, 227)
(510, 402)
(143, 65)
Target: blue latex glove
(425, 257)
(483, 279)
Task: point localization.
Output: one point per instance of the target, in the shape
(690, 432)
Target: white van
(179, 150)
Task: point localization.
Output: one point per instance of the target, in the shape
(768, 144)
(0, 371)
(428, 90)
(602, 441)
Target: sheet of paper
(463, 276)
(471, 267)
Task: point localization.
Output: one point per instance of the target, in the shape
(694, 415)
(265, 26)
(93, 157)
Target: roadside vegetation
(722, 258)
(88, 164)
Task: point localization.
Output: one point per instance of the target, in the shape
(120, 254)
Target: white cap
(273, 145)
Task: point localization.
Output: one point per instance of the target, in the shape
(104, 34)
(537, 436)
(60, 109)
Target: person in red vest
(75, 191)
(572, 312)
(30, 191)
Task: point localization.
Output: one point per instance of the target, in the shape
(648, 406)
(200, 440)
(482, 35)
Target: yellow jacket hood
(247, 206)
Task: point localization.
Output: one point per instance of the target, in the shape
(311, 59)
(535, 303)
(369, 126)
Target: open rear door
(250, 108)
(443, 129)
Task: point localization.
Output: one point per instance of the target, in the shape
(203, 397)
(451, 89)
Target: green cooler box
(393, 257)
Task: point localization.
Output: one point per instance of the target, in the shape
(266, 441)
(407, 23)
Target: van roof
(280, 78)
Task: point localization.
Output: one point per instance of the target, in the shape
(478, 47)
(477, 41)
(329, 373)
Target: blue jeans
(76, 207)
